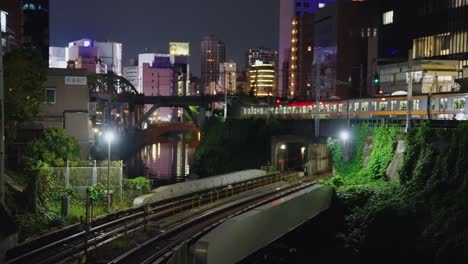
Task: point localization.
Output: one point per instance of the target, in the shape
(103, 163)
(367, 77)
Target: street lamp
(109, 137)
(344, 135)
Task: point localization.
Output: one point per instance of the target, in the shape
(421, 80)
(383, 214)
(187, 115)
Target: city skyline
(136, 27)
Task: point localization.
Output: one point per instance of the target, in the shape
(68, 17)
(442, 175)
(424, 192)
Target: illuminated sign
(3, 22)
(179, 48)
(76, 80)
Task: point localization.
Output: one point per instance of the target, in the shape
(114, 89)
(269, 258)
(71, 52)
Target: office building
(227, 78)
(213, 52)
(290, 10)
(36, 25)
(261, 54)
(94, 56)
(434, 30)
(262, 78)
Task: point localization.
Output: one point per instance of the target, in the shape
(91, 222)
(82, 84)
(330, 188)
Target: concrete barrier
(183, 188)
(242, 235)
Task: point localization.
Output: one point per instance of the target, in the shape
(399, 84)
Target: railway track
(60, 247)
(158, 248)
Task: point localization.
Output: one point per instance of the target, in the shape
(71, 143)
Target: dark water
(166, 162)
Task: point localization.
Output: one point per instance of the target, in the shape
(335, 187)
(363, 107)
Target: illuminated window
(458, 103)
(403, 105)
(340, 107)
(3, 21)
(365, 106)
(388, 17)
(393, 105)
(416, 104)
(356, 106)
(458, 3)
(443, 103)
(383, 106)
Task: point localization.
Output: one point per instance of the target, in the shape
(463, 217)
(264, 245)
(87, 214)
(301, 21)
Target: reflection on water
(163, 163)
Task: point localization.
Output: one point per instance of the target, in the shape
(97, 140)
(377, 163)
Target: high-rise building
(344, 31)
(291, 10)
(36, 25)
(436, 29)
(228, 78)
(11, 20)
(213, 52)
(262, 78)
(261, 54)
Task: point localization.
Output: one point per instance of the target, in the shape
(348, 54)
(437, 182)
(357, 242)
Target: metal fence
(83, 174)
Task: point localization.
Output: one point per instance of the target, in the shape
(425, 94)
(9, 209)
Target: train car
(436, 106)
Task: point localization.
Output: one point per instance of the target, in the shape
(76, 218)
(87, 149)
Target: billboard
(179, 48)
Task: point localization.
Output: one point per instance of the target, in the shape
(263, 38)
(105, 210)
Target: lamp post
(109, 136)
(344, 135)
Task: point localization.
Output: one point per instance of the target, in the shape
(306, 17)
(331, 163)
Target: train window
(416, 104)
(321, 108)
(393, 106)
(356, 106)
(403, 105)
(340, 107)
(365, 106)
(374, 106)
(433, 104)
(309, 109)
(443, 103)
(383, 106)
(333, 108)
(458, 103)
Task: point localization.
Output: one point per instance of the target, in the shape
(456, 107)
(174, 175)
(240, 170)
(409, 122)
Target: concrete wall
(174, 190)
(319, 159)
(241, 236)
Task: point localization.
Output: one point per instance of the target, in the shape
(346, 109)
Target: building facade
(213, 52)
(290, 10)
(262, 79)
(36, 25)
(268, 59)
(227, 78)
(429, 76)
(94, 56)
(435, 30)
(66, 105)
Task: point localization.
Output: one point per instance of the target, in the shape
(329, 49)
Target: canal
(166, 162)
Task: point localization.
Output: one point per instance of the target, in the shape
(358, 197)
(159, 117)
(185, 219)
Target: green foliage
(234, 145)
(25, 73)
(54, 148)
(138, 184)
(97, 193)
(384, 143)
(424, 215)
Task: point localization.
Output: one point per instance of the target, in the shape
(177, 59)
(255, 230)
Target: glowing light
(109, 136)
(283, 147)
(344, 135)
(87, 43)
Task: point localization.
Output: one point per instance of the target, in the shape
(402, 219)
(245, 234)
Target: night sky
(149, 25)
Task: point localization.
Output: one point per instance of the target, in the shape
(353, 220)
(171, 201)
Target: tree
(25, 74)
(54, 148)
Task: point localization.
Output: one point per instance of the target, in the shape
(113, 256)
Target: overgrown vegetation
(234, 145)
(422, 217)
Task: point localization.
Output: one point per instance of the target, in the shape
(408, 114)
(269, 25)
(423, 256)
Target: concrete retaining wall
(243, 235)
(174, 190)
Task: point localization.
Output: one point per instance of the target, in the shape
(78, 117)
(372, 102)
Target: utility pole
(409, 98)
(317, 97)
(2, 129)
(225, 94)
